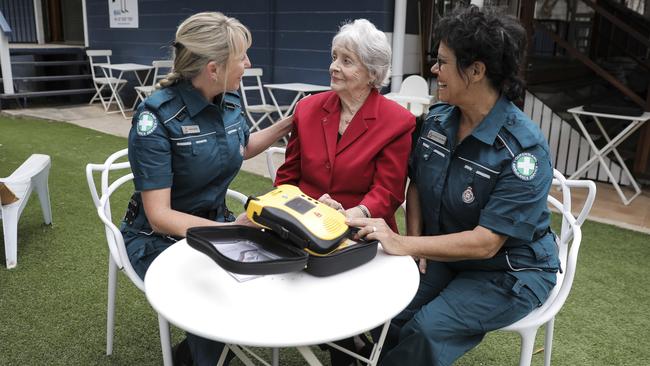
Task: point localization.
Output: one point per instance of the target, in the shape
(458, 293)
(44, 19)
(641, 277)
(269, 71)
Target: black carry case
(268, 253)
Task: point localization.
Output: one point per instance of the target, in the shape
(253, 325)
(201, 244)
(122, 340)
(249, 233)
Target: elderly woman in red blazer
(349, 146)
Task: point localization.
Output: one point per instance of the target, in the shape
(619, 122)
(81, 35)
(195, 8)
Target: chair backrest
(97, 57)
(568, 241)
(414, 85)
(25, 178)
(158, 67)
(246, 86)
(101, 200)
(270, 160)
(35, 164)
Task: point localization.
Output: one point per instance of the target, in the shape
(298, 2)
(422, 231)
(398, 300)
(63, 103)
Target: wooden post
(643, 144)
(526, 14)
(5, 62)
(38, 22)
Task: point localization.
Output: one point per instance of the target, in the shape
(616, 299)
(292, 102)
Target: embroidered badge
(524, 166)
(468, 195)
(147, 123)
(190, 129)
(437, 137)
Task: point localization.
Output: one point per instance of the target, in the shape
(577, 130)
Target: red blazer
(367, 166)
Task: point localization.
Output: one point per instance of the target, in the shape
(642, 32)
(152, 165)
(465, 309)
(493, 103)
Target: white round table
(288, 310)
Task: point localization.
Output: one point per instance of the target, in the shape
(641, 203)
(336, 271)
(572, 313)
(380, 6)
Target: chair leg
(98, 92)
(165, 341)
(548, 341)
(527, 344)
(110, 311)
(95, 97)
(43, 191)
(101, 97)
(254, 123)
(10, 230)
(139, 97)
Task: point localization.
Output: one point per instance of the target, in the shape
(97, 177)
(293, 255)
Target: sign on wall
(123, 13)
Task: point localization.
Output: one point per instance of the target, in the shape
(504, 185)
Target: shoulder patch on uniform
(524, 166)
(147, 123)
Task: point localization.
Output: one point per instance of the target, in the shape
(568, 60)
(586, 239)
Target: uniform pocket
(192, 154)
(513, 300)
(235, 138)
(432, 158)
(477, 183)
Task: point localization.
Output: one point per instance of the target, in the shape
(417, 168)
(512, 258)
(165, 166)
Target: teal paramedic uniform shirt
(499, 178)
(183, 142)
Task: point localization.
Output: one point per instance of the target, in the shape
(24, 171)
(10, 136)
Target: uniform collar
(487, 130)
(193, 99)
(449, 123)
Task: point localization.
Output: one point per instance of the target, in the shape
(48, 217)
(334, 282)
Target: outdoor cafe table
(286, 310)
(633, 124)
(122, 68)
(301, 89)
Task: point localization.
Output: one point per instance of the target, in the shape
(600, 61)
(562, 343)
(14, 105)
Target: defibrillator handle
(250, 198)
(281, 231)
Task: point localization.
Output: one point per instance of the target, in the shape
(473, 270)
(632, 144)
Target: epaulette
(523, 130)
(158, 98)
(232, 100)
(439, 108)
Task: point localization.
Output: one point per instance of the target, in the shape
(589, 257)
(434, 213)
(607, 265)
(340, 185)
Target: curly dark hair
(497, 40)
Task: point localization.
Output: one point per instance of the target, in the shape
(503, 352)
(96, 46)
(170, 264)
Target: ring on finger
(374, 229)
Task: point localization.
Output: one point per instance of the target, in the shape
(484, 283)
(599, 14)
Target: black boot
(181, 354)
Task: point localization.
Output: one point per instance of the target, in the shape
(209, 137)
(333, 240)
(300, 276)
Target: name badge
(437, 137)
(190, 129)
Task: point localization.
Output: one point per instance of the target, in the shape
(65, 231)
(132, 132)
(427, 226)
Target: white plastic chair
(144, 91)
(413, 95)
(270, 162)
(264, 109)
(30, 175)
(569, 245)
(118, 257)
(103, 81)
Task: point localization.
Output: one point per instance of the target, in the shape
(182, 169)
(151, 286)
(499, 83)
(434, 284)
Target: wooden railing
(641, 46)
(592, 65)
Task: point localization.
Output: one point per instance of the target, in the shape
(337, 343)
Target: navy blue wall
(291, 38)
(20, 16)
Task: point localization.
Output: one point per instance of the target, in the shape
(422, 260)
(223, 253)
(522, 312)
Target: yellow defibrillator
(295, 216)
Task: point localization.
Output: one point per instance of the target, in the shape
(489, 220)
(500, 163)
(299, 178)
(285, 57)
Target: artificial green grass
(53, 305)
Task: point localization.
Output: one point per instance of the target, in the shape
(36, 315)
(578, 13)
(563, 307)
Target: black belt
(212, 214)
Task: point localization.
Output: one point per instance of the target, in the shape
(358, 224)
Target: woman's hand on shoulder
(286, 123)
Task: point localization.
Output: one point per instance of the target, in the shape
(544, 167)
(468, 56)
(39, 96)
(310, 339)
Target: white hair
(370, 45)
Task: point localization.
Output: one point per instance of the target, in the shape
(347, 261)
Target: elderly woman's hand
(377, 229)
(329, 201)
